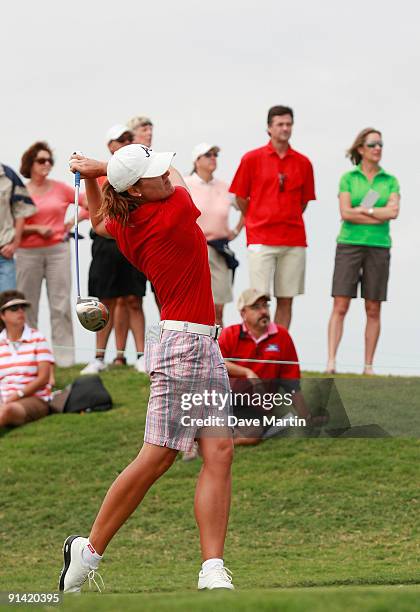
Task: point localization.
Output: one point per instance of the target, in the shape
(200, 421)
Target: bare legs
(283, 314)
(335, 330)
(373, 328)
(212, 495)
(127, 491)
(219, 314)
(102, 336)
(212, 499)
(129, 315)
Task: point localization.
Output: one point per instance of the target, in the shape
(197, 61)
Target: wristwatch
(370, 211)
(20, 393)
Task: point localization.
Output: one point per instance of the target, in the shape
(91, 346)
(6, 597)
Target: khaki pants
(53, 264)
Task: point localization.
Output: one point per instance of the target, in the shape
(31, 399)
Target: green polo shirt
(357, 185)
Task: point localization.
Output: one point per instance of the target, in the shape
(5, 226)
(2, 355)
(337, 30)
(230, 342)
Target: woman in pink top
(44, 251)
(212, 198)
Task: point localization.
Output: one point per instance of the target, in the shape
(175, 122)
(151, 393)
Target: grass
(305, 512)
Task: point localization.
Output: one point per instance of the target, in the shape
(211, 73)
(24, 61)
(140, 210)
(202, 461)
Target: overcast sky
(210, 71)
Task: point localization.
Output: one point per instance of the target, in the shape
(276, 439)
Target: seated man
(259, 338)
(25, 364)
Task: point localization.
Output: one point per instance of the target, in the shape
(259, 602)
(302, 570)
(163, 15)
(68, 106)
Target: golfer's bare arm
(94, 198)
(90, 170)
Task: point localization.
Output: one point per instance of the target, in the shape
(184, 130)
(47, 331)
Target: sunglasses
(372, 145)
(44, 160)
(211, 154)
(16, 307)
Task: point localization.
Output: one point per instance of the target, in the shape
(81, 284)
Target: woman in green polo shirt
(369, 199)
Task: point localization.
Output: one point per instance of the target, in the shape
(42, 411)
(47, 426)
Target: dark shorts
(365, 264)
(111, 275)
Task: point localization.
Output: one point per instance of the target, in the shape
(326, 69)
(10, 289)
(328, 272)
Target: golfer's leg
(335, 328)
(128, 490)
(136, 320)
(212, 496)
(58, 277)
(373, 328)
(30, 270)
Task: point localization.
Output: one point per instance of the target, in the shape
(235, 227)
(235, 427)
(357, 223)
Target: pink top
(51, 210)
(213, 200)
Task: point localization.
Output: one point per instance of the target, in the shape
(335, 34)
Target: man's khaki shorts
(221, 277)
(282, 267)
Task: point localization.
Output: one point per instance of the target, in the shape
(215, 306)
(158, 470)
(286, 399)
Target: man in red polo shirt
(259, 338)
(273, 186)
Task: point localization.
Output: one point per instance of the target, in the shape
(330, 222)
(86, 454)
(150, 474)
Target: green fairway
(305, 512)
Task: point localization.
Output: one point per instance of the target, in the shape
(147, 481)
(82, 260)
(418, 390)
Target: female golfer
(369, 199)
(154, 225)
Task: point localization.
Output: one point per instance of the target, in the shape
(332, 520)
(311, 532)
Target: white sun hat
(115, 132)
(133, 162)
(202, 149)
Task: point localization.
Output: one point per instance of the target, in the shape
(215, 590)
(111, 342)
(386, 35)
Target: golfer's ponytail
(116, 205)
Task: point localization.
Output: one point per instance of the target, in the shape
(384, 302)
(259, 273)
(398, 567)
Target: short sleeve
(309, 184)
(395, 186)
(226, 341)
(43, 351)
(242, 181)
(344, 185)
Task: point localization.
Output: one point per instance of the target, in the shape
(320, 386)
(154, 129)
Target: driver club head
(92, 314)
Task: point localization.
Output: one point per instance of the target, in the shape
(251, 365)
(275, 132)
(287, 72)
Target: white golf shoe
(94, 367)
(75, 572)
(216, 578)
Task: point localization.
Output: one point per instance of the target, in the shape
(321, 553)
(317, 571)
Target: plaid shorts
(189, 392)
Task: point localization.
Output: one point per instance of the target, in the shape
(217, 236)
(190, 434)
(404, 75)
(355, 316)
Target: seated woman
(25, 364)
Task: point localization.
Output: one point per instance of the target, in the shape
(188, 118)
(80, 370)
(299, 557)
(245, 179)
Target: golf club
(92, 314)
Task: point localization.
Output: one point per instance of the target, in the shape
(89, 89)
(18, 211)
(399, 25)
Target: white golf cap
(115, 132)
(201, 149)
(133, 162)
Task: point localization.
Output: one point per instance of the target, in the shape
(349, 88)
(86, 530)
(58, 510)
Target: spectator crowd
(271, 189)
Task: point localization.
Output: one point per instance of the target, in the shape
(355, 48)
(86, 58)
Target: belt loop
(185, 326)
(161, 330)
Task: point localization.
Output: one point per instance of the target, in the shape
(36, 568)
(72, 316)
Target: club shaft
(76, 228)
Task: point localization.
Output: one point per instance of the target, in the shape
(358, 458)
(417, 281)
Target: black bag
(86, 394)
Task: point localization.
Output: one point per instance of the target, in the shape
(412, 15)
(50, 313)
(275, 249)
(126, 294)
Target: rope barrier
(302, 364)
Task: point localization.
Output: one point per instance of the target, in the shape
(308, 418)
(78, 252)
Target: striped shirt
(19, 362)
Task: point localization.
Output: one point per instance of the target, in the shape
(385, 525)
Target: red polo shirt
(274, 215)
(276, 344)
(162, 239)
